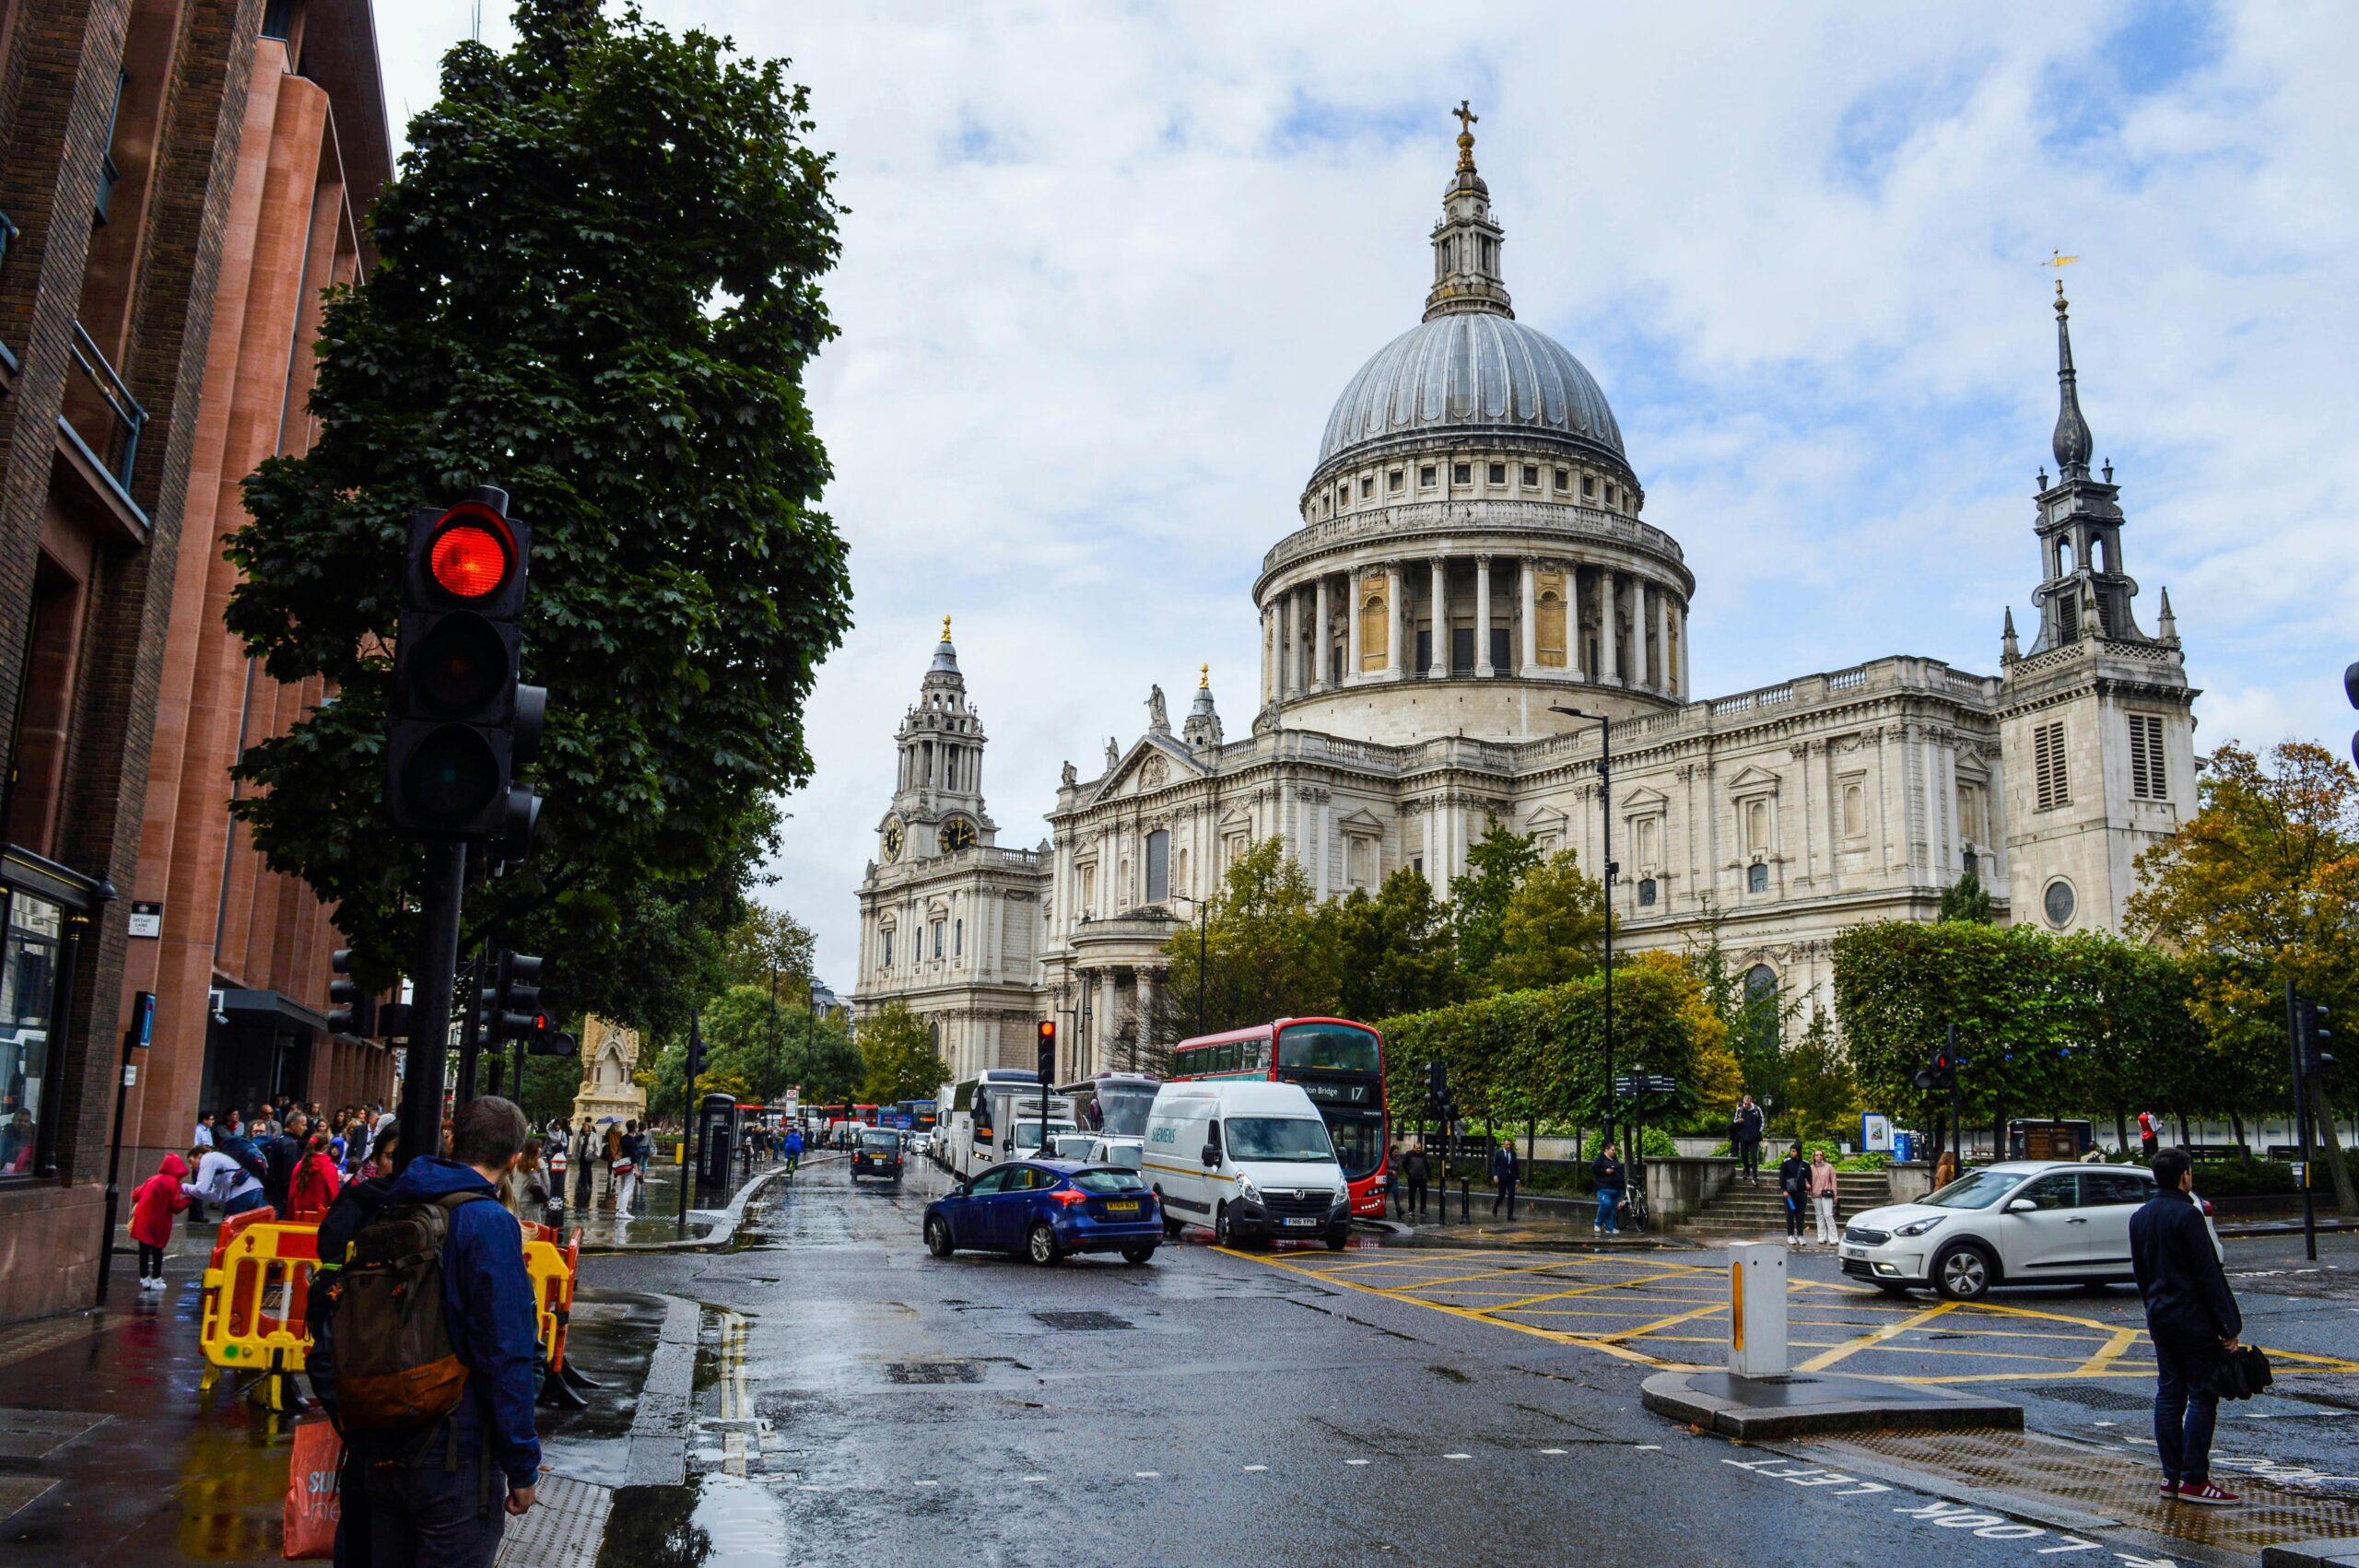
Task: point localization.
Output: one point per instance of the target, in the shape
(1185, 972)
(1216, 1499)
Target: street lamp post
(1605, 809)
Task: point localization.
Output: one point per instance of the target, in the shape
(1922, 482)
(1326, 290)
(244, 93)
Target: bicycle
(1632, 1216)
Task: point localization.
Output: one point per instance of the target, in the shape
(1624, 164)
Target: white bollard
(1758, 1310)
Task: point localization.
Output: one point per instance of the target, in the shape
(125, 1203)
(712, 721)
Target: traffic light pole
(2302, 1123)
(471, 1026)
(1957, 1106)
(437, 962)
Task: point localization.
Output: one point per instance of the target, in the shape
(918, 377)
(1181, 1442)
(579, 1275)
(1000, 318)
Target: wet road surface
(859, 1402)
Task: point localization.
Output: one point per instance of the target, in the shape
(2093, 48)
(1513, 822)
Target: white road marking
(1649, 1447)
(2071, 1543)
(1552, 1450)
(925, 1484)
(1458, 1456)
(1255, 1469)
(2108, 1423)
(1144, 1475)
(1356, 1461)
(1035, 1477)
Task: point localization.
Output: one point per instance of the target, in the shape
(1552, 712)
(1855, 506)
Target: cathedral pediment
(1754, 780)
(1153, 761)
(1642, 800)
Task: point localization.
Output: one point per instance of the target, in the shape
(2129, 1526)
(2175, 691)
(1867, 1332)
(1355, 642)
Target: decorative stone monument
(609, 1052)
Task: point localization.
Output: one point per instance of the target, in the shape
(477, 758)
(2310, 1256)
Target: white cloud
(1106, 267)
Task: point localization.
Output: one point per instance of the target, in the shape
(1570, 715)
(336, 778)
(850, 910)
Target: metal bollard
(1757, 1310)
(1466, 1204)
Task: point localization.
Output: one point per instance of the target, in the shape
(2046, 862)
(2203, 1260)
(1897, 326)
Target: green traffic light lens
(452, 775)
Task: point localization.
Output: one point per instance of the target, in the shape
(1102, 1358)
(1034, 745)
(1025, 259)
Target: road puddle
(714, 1521)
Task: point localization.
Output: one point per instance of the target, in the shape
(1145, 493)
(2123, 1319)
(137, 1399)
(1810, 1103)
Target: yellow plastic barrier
(256, 1283)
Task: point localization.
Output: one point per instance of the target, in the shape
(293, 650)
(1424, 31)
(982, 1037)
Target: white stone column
(1285, 645)
(1661, 638)
(1482, 615)
(1609, 650)
(1395, 661)
(1686, 692)
(1269, 653)
(1107, 1023)
(1576, 649)
(1529, 639)
(1352, 626)
(1440, 613)
(1321, 636)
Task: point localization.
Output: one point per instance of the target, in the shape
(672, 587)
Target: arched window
(1756, 878)
(2064, 557)
(1973, 864)
(1855, 812)
(1759, 981)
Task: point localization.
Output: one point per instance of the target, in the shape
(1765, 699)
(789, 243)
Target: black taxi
(877, 1153)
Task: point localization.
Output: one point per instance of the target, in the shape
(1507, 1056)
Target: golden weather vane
(2060, 260)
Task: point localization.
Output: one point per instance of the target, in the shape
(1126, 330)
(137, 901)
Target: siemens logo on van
(1165, 1134)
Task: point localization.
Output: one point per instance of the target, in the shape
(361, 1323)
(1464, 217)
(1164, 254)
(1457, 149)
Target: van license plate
(1304, 1224)
(1122, 1208)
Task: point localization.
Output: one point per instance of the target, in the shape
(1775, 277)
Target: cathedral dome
(1470, 373)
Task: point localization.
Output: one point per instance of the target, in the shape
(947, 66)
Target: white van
(1250, 1159)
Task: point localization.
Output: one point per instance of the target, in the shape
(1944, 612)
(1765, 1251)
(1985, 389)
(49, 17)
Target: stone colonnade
(1525, 616)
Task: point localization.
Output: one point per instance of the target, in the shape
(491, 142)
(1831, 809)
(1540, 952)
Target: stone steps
(1741, 1208)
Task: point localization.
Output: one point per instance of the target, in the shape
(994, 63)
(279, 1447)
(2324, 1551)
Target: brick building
(181, 179)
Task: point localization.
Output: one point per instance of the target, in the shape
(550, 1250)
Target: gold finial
(945, 628)
(1467, 120)
(1204, 677)
(2060, 260)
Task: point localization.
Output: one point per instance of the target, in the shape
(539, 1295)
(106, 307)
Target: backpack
(241, 1148)
(397, 1373)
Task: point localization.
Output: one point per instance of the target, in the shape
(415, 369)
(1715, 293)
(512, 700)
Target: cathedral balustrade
(1559, 523)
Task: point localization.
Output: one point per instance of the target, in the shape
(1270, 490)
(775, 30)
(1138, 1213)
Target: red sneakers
(2170, 1489)
(2204, 1491)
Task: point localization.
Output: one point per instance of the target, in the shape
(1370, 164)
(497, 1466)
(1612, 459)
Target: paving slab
(1802, 1403)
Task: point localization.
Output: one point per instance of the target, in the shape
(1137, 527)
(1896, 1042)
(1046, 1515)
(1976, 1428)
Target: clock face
(956, 834)
(893, 839)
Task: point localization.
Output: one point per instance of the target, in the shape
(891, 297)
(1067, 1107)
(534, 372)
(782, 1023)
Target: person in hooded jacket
(154, 1205)
(312, 1187)
(355, 1204)
(438, 1510)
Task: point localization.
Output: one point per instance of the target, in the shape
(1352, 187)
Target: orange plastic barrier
(252, 1315)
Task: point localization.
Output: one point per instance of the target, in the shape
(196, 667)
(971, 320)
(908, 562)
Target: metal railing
(117, 454)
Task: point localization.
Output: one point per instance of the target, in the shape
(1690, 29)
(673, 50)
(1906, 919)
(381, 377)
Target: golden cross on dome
(1204, 677)
(1467, 119)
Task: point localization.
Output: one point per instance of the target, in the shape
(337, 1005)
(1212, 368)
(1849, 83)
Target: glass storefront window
(29, 947)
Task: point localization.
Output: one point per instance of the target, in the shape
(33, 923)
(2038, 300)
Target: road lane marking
(2119, 1341)
(1358, 1461)
(1552, 1450)
(1255, 1469)
(1874, 1337)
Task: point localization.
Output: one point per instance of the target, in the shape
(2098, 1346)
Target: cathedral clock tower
(938, 794)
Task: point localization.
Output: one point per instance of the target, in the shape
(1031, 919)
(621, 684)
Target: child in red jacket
(153, 1206)
(313, 1185)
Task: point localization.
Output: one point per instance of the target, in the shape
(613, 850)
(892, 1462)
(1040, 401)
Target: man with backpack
(438, 1403)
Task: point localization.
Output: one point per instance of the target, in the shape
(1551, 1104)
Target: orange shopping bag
(312, 1505)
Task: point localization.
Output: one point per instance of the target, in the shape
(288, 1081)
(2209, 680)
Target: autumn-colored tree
(902, 1059)
(2260, 889)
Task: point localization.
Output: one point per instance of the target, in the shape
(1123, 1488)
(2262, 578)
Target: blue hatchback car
(1045, 1209)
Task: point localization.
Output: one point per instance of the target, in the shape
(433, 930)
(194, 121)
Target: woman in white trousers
(1822, 1198)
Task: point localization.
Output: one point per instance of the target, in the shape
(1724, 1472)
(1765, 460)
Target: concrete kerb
(2344, 1553)
(723, 1232)
(1802, 1405)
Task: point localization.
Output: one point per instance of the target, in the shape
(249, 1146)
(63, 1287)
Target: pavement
(822, 1391)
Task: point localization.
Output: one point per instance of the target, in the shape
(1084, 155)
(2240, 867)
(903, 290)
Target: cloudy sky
(1107, 267)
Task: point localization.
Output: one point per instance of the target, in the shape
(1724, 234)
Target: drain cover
(1083, 1320)
(29, 1435)
(935, 1370)
(2091, 1396)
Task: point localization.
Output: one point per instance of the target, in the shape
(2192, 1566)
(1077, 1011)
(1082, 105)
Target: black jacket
(1744, 1127)
(1793, 1176)
(1605, 1173)
(2185, 1290)
(1414, 1166)
(1503, 1163)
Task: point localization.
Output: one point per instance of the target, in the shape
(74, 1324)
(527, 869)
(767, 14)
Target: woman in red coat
(313, 1185)
(153, 1206)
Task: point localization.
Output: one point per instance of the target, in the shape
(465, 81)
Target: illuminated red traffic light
(470, 556)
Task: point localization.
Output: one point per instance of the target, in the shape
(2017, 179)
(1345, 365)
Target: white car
(2023, 1222)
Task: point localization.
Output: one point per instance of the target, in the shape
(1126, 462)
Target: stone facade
(609, 1055)
(1471, 556)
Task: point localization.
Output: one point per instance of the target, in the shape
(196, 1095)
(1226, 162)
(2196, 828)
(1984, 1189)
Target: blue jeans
(2184, 1408)
(428, 1515)
(1608, 1200)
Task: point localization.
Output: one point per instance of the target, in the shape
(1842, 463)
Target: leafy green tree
(1756, 1015)
(599, 290)
(2260, 888)
(898, 1047)
(1397, 955)
(1966, 899)
(1553, 929)
(1496, 864)
(1822, 1101)
(1269, 949)
(770, 949)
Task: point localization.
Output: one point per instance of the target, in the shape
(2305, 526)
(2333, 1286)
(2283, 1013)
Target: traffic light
(349, 1012)
(1048, 1053)
(1941, 1074)
(552, 1042)
(461, 723)
(2312, 1037)
(515, 999)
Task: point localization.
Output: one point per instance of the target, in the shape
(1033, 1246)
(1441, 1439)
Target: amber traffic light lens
(468, 559)
(463, 663)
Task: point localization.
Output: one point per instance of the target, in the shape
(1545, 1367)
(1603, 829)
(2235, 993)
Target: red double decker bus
(1340, 1065)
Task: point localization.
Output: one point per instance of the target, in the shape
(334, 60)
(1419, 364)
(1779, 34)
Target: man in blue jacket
(433, 1513)
(2192, 1318)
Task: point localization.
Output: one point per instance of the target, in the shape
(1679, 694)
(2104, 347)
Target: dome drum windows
(1496, 473)
(1532, 476)
(1425, 475)
(1461, 474)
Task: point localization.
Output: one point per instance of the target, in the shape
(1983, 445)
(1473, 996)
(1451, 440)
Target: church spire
(1466, 242)
(2073, 443)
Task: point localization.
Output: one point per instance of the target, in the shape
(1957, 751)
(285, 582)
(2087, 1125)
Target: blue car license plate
(1306, 1224)
(1126, 1206)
